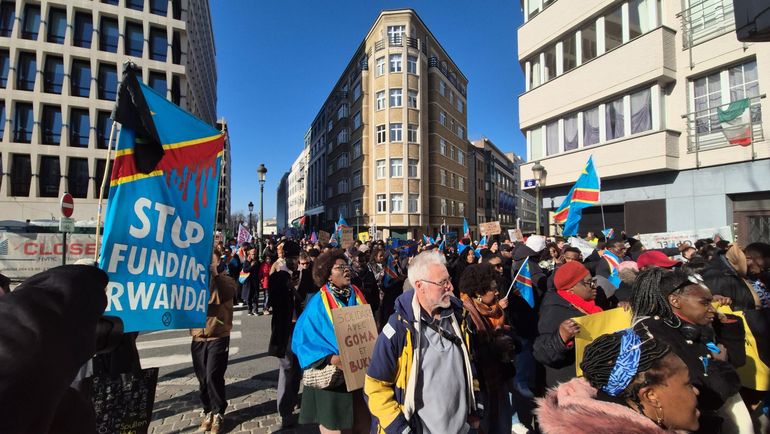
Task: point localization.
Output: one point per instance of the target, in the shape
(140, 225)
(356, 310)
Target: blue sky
(278, 59)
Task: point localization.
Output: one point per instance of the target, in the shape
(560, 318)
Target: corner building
(60, 66)
(637, 84)
(388, 147)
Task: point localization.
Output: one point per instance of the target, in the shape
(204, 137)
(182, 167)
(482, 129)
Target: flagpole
(516, 277)
(107, 165)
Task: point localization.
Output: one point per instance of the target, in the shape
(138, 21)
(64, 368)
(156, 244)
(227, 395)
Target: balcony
(397, 41)
(649, 58)
(706, 19)
(433, 62)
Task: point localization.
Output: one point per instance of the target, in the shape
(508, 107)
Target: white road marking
(174, 359)
(170, 342)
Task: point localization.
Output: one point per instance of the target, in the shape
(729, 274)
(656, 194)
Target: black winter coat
(283, 300)
(722, 279)
(550, 349)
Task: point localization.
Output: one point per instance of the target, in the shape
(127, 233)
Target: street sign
(530, 183)
(67, 205)
(67, 224)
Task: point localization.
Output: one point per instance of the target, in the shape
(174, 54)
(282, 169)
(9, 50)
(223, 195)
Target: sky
(277, 61)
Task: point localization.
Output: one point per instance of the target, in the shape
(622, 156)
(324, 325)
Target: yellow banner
(755, 374)
(593, 326)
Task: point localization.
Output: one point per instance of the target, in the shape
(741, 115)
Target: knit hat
(569, 274)
(536, 243)
(655, 258)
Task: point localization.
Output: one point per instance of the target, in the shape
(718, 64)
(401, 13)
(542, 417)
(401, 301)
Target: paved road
(251, 380)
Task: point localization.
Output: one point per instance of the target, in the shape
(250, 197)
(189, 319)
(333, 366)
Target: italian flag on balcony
(736, 122)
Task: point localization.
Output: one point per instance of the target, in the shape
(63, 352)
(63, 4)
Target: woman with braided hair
(676, 306)
(633, 384)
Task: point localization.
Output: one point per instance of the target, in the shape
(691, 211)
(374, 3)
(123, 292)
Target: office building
(493, 182)
(298, 185)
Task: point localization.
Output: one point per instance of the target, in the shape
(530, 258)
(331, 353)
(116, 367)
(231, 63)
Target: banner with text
(356, 335)
(23, 255)
(490, 228)
(662, 240)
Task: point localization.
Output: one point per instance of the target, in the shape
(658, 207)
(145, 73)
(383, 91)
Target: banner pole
(107, 165)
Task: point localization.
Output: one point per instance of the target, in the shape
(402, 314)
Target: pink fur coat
(572, 408)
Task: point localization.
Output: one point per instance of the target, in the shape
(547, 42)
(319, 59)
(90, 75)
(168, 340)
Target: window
(380, 100)
(176, 9)
(159, 7)
(111, 2)
(382, 204)
(460, 208)
(2, 131)
(569, 52)
(21, 174)
(412, 168)
(461, 132)
(442, 87)
(7, 17)
(100, 176)
(357, 91)
(443, 176)
(380, 169)
(411, 135)
(158, 44)
(380, 66)
(343, 136)
(176, 48)
(413, 202)
(535, 78)
(395, 97)
(536, 143)
(452, 153)
(158, 83)
(80, 80)
(342, 111)
(342, 186)
(77, 177)
(588, 42)
(549, 67)
(442, 146)
(396, 202)
(591, 126)
(411, 64)
(103, 126)
(461, 183)
(396, 132)
(396, 167)
(381, 134)
(613, 29)
(444, 208)
(79, 127)
(357, 120)
(134, 41)
(356, 150)
(330, 126)
(720, 88)
(31, 22)
(53, 75)
(411, 99)
(27, 71)
(175, 89)
(51, 125)
(49, 176)
(57, 25)
(641, 111)
(461, 157)
(108, 35)
(108, 82)
(552, 138)
(533, 7)
(137, 5)
(24, 122)
(614, 119)
(442, 118)
(570, 132)
(395, 62)
(639, 17)
(356, 179)
(460, 105)
(5, 66)
(395, 34)
(84, 30)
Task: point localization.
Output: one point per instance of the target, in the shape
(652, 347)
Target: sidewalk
(251, 408)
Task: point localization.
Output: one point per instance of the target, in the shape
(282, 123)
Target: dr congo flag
(158, 230)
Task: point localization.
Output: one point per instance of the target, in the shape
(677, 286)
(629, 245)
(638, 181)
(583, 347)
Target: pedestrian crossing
(166, 348)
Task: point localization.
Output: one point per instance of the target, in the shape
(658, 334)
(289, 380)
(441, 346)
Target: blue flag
(159, 224)
(466, 229)
(482, 245)
(523, 282)
(584, 193)
(613, 262)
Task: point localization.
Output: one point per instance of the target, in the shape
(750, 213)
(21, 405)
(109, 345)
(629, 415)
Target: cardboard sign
(593, 326)
(516, 235)
(123, 403)
(347, 238)
(356, 335)
(662, 240)
(323, 237)
(490, 228)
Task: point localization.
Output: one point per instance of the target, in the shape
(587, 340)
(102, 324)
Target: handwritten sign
(516, 235)
(347, 237)
(662, 240)
(123, 403)
(490, 228)
(356, 335)
(323, 237)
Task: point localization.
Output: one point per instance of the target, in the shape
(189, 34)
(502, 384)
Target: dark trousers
(289, 378)
(251, 291)
(210, 363)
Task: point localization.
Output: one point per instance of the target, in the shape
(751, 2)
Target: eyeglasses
(444, 283)
(589, 283)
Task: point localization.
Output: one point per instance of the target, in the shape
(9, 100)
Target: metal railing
(397, 41)
(704, 130)
(704, 20)
(433, 62)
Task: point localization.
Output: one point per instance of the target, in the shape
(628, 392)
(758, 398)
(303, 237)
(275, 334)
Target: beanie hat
(569, 274)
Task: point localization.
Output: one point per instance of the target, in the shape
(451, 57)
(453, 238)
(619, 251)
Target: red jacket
(264, 273)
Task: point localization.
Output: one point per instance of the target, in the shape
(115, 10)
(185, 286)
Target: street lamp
(262, 171)
(358, 215)
(251, 222)
(539, 172)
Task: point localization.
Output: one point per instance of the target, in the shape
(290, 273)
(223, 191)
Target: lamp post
(262, 171)
(539, 172)
(251, 221)
(358, 216)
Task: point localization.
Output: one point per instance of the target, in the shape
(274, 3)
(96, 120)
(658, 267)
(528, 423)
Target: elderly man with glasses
(420, 377)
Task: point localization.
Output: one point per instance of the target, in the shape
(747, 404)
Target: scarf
(342, 293)
(586, 306)
(487, 319)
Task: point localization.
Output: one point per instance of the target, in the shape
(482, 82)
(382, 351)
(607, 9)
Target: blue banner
(159, 225)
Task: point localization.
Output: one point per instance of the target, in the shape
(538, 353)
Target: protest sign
(584, 246)
(324, 237)
(593, 326)
(516, 235)
(662, 240)
(347, 237)
(123, 403)
(159, 225)
(23, 255)
(356, 335)
(490, 228)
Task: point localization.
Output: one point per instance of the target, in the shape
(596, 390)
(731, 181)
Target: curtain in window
(552, 138)
(570, 133)
(591, 127)
(641, 111)
(614, 119)
(536, 143)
